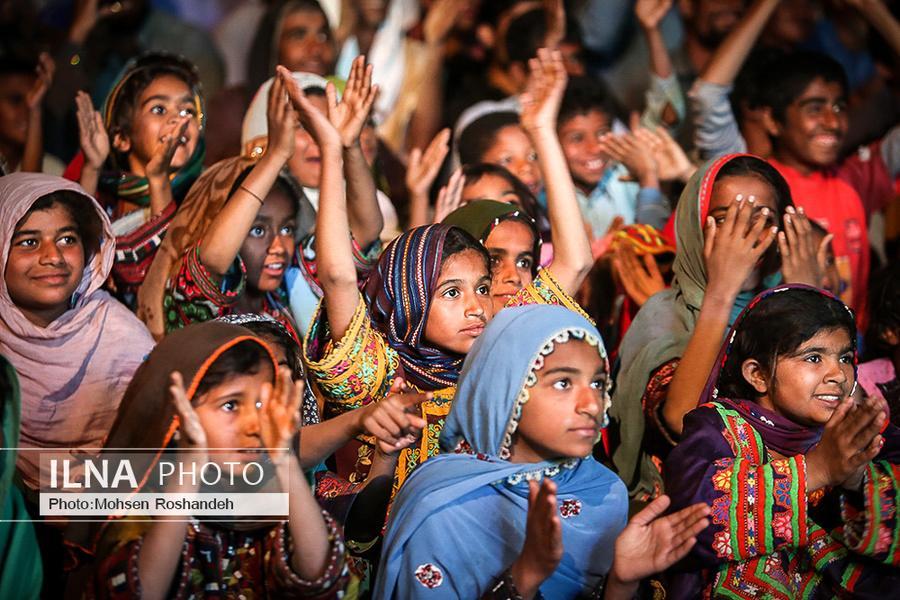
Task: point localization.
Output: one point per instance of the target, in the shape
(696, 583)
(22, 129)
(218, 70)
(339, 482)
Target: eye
(847, 359)
(230, 406)
(450, 293)
(158, 109)
(576, 138)
(720, 220)
(524, 263)
(483, 289)
(187, 112)
(562, 384)
(599, 384)
(287, 230)
(27, 243)
(532, 156)
(257, 231)
(504, 161)
(813, 358)
(69, 240)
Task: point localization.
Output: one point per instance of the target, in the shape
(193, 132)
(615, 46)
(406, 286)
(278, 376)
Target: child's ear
(754, 375)
(121, 143)
(773, 127)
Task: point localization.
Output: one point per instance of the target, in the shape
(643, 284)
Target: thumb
(652, 511)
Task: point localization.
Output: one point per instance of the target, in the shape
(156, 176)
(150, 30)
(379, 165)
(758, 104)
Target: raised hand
(635, 154)
(423, 167)
(850, 441)
(801, 258)
(279, 417)
(281, 119)
(640, 278)
(191, 432)
(650, 12)
(543, 547)
(651, 543)
(555, 17)
(733, 249)
(543, 94)
(672, 163)
(395, 421)
(313, 120)
(160, 162)
(440, 20)
(92, 133)
(349, 115)
(450, 196)
(45, 70)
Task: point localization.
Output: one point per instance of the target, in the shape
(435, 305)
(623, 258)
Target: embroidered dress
(362, 366)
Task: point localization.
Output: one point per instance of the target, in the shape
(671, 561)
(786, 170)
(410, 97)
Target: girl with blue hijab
(531, 401)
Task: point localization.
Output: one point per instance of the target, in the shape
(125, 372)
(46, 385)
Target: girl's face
(511, 246)
(810, 382)
(305, 43)
(45, 264)
(269, 246)
(513, 150)
(306, 163)
(724, 193)
(490, 187)
(166, 101)
(461, 303)
(565, 407)
(229, 414)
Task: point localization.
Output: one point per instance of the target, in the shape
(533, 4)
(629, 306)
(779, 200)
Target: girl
(726, 222)
(498, 138)
(800, 472)
(532, 399)
(207, 390)
(142, 154)
(423, 307)
(61, 332)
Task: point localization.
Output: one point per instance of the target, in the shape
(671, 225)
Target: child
(800, 472)
(151, 132)
(878, 375)
(61, 332)
(22, 89)
(206, 391)
(531, 402)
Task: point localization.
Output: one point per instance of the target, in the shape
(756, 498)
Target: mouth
(274, 269)
(827, 140)
(473, 330)
(587, 432)
(53, 279)
(829, 400)
(595, 164)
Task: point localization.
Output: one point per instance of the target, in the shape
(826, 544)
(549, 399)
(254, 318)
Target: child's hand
(850, 441)
(543, 94)
(450, 196)
(91, 132)
(191, 432)
(160, 162)
(440, 20)
(395, 420)
(423, 167)
(313, 120)
(635, 154)
(45, 69)
(279, 417)
(281, 120)
(650, 543)
(543, 547)
(349, 116)
(733, 249)
(650, 12)
(800, 255)
(672, 162)
(640, 278)
(555, 18)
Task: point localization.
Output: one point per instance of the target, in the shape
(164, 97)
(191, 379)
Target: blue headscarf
(459, 520)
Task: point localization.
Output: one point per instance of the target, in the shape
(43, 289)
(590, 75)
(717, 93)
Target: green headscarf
(21, 573)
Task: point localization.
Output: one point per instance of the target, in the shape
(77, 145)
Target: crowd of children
(513, 299)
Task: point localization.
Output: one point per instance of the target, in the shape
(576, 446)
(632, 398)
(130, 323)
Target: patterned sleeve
(654, 398)
(117, 574)
(546, 290)
(871, 524)
(364, 259)
(353, 371)
(758, 506)
(194, 296)
(334, 582)
(135, 250)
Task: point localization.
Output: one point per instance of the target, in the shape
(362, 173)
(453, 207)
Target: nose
(507, 273)
(250, 426)
(830, 118)
(474, 307)
(589, 401)
(525, 170)
(836, 372)
(277, 245)
(51, 254)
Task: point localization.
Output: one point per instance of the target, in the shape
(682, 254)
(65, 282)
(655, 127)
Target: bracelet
(249, 191)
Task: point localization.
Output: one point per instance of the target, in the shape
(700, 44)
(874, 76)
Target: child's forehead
(167, 84)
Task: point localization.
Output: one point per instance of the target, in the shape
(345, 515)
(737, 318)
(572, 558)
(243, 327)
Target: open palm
(349, 115)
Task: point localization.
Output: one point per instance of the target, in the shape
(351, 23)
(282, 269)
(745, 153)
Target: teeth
(275, 266)
(594, 164)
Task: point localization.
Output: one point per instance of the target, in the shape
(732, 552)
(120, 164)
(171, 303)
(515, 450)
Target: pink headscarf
(73, 372)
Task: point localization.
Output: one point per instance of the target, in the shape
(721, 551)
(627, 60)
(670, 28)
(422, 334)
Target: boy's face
(814, 126)
(305, 44)
(13, 110)
(580, 139)
(161, 106)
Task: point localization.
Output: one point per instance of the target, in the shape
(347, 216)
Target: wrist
(523, 579)
(616, 587)
(649, 180)
(720, 296)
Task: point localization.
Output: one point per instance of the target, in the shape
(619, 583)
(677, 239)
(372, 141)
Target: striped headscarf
(398, 294)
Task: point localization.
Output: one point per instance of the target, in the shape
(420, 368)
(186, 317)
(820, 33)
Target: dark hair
(786, 80)
(777, 326)
(16, 65)
(477, 138)
(79, 207)
(884, 310)
(146, 69)
(524, 36)
(475, 172)
(273, 332)
(283, 183)
(244, 358)
(586, 94)
(459, 240)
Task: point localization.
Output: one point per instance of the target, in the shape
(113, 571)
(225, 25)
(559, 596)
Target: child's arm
(731, 253)
(33, 155)
(421, 171)
(572, 258)
(336, 270)
(94, 142)
(157, 169)
(665, 100)
(881, 18)
(349, 117)
(223, 239)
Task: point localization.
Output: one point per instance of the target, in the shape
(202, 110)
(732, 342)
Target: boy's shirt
(613, 197)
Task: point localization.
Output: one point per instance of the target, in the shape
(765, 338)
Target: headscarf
(120, 183)
(21, 572)
(398, 294)
(778, 433)
(644, 239)
(479, 501)
(147, 418)
(479, 218)
(662, 328)
(74, 371)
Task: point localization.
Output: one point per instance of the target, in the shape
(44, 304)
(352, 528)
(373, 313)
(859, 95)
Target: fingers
(822, 251)
(709, 237)
(652, 511)
(652, 267)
